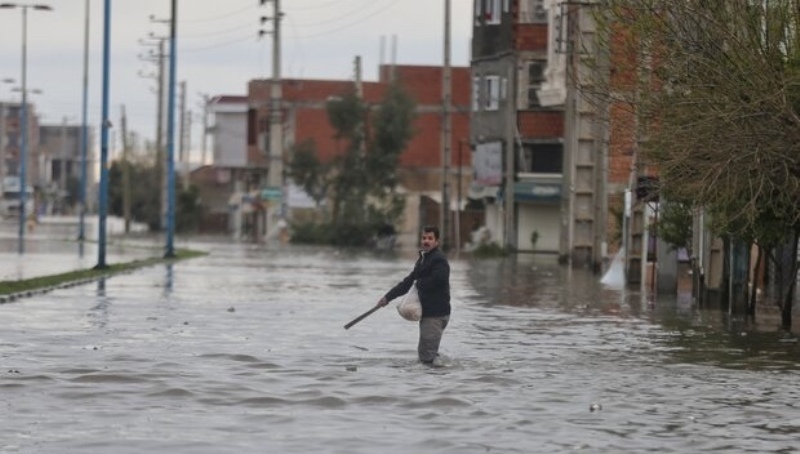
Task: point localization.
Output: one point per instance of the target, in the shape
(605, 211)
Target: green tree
(189, 211)
(360, 181)
(715, 88)
(145, 197)
(144, 194)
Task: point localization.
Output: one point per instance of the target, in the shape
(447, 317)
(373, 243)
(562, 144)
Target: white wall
(230, 139)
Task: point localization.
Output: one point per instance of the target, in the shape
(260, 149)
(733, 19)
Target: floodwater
(244, 351)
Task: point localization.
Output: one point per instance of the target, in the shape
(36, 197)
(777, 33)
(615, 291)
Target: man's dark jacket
(432, 274)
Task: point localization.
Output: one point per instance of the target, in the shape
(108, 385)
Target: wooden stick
(362, 316)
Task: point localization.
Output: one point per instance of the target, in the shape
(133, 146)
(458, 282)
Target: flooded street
(243, 351)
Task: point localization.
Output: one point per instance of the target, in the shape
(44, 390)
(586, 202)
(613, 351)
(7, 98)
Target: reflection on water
(244, 351)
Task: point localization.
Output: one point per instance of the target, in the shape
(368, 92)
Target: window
(532, 76)
(536, 72)
(542, 158)
(252, 117)
(491, 93)
(476, 93)
(488, 91)
(493, 12)
(533, 12)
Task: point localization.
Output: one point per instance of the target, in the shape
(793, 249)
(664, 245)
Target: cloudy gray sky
(218, 48)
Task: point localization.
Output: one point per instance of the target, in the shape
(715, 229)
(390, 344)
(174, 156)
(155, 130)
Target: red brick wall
(530, 37)
(621, 144)
(312, 124)
(541, 124)
(424, 84)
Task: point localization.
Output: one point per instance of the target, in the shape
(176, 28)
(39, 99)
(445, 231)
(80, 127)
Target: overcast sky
(218, 48)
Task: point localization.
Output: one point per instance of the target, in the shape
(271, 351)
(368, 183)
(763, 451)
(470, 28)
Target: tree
(715, 88)
(145, 197)
(360, 181)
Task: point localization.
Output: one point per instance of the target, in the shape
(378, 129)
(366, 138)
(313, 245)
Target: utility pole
(359, 83)
(2, 146)
(446, 131)
(508, 186)
(204, 137)
(182, 120)
(126, 173)
(63, 152)
(276, 164)
(159, 58)
(182, 135)
(362, 147)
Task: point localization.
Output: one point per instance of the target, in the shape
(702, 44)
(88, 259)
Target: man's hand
(382, 302)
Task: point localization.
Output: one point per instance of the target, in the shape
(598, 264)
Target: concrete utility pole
(360, 93)
(126, 173)
(2, 145)
(509, 229)
(159, 164)
(446, 131)
(63, 152)
(276, 164)
(204, 137)
(182, 122)
(182, 134)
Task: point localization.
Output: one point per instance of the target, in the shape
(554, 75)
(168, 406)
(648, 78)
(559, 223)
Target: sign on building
(488, 163)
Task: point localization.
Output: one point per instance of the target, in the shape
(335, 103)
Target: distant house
(421, 176)
(226, 184)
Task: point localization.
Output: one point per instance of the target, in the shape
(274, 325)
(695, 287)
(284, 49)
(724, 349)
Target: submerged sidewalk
(51, 247)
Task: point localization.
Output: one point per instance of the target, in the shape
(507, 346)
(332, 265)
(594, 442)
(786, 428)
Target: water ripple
(243, 351)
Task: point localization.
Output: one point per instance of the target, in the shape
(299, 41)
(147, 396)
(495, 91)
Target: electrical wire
(345, 15)
(215, 18)
(252, 37)
(351, 24)
(235, 28)
(318, 6)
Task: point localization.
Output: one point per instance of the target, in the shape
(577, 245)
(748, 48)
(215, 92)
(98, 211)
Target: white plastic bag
(409, 307)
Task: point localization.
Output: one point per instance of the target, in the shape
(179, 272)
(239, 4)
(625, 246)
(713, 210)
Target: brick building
(517, 126)
(305, 118)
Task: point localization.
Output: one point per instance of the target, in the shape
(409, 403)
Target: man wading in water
(432, 275)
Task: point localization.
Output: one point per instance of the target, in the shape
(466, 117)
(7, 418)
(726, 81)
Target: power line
(235, 28)
(349, 14)
(222, 44)
(318, 6)
(328, 32)
(218, 17)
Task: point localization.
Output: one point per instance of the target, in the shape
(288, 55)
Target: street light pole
(104, 126)
(169, 251)
(84, 128)
(23, 196)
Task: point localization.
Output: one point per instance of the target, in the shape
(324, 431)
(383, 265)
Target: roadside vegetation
(711, 93)
(22, 286)
(355, 191)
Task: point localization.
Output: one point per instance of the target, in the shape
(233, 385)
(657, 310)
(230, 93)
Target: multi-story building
(10, 154)
(517, 126)
(228, 182)
(541, 146)
(58, 159)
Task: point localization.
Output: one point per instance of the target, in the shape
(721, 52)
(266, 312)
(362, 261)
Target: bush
(310, 233)
(341, 234)
(489, 250)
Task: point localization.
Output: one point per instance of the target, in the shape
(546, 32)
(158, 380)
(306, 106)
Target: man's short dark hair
(431, 229)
